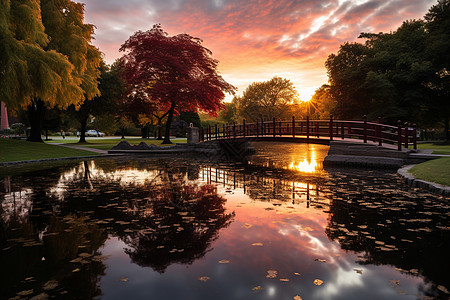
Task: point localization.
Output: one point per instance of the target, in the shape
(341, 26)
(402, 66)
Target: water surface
(279, 227)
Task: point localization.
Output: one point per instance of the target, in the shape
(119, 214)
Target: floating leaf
(246, 225)
(84, 254)
(257, 244)
(320, 260)
(124, 279)
(297, 297)
(50, 285)
(395, 282)
(26, 292)
(359, 271)
(284, 279)
(224, 261)
(257, 288)
(298, 274)
(272, 274)
(442, 289)
(76, 270)
(318, 282)
(204, 278)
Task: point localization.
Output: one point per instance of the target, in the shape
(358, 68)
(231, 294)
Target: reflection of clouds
(344, 277)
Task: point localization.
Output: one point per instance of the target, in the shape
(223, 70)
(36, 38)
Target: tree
(267, 100)
(321, 105)
(438, 49)
(32, 74)
(174, 71)
(111, 88)
(346, 71)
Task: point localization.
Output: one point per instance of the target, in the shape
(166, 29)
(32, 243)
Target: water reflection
(301, 158)
(116, 228)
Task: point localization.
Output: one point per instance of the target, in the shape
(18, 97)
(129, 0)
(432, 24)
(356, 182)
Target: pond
(277, 227)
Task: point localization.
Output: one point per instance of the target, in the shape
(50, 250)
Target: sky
(255, 40)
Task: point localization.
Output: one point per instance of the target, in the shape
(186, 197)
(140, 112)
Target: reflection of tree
(178, 230)
(44, 256)
(391, 227)
(164, 219)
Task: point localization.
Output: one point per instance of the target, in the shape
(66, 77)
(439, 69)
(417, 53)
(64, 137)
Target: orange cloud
(255, 40)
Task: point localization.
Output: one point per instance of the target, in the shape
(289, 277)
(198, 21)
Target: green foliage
(229, 113)
(268, 99)
(190, 117)
(18, 128)
(29, 70)
(399, 75)
(320, 106)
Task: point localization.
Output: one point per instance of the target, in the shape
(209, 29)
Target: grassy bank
(436, 170)
(108, 143)
(437, 148)
(17, 150)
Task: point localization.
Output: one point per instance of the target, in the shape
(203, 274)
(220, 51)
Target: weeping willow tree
(46, 57)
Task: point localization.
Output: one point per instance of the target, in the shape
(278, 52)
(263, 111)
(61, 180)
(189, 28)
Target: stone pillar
(193, 136)
(3, 116)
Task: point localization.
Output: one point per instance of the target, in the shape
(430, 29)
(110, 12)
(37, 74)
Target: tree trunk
(168, 123)
(447, 129)
(36, 115)
(159, 130)
(83, 123)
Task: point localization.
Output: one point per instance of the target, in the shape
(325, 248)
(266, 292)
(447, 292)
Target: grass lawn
(436, 170)
(17, 150)
(108, 143)
(437, 149)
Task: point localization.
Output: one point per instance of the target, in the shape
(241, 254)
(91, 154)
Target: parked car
(94, 133)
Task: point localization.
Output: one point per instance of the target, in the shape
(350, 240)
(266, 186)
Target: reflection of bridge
(264, 188)
(315, 131)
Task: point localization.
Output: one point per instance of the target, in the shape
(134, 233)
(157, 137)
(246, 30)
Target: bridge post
(380, 132)
(399, 135)
(257, 127)
(263, 127)
(307, 128)
(406, 135)
(318, 129)
(415, 136)
(274, 125)
(234, 129)
(243, 127)
(209, 132)
(215, 129)
(365, 129)
(293, 126)
(331, 127)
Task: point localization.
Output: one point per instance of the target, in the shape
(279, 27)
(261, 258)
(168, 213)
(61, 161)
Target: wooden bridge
(315, 131)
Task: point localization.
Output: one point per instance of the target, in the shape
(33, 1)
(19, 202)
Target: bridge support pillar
(193, 136)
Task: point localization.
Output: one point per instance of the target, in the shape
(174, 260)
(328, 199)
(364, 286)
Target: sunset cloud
(255, 40)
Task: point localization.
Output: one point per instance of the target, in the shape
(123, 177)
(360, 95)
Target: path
(80, 148)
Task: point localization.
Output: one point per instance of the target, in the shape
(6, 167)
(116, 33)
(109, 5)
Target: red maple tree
(175, 71)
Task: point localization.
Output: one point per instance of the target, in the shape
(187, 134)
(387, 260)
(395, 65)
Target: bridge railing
(400, 135)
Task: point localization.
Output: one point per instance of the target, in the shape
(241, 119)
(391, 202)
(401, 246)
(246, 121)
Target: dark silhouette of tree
(398, 75)
(175, 71)
(111, 88)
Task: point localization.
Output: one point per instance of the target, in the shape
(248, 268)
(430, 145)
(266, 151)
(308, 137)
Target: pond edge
(419, 183)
